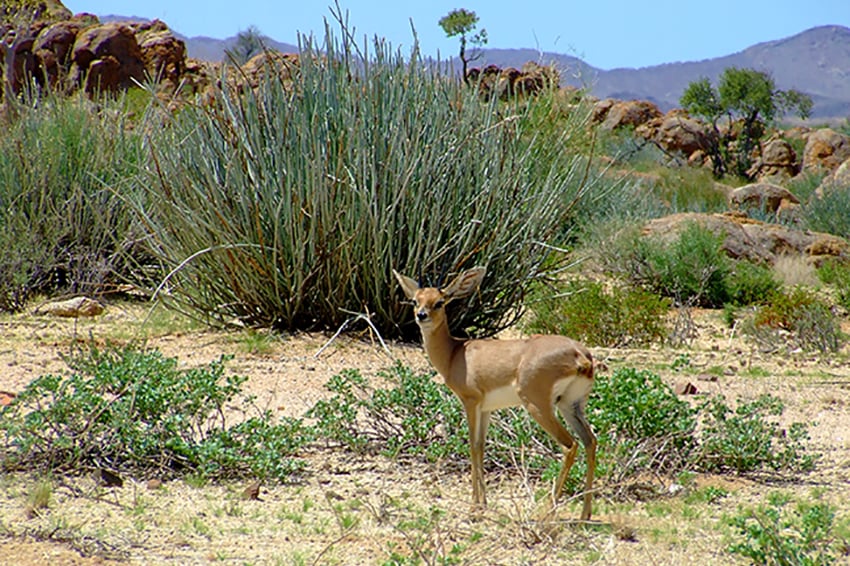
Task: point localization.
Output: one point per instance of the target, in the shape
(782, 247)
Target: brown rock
(629, 113)
(285, 66)
(601, 109)
(685, 388)
(163, 53)
(73, 308)
(116, 45)
(763, 196)
(53, 47)
(825, 149)
(19, 62)
(679, 133)
(745, 238)
(778, 160)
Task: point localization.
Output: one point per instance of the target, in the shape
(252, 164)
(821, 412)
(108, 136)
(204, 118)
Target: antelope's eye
(439, 304)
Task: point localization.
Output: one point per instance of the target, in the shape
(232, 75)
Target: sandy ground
(349, 509)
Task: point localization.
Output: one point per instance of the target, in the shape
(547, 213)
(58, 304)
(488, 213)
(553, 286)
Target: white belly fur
(500, 398)
(569, 389)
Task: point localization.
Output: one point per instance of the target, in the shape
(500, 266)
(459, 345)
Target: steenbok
(539, 373)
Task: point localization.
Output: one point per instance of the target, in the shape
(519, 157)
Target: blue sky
(606, 34)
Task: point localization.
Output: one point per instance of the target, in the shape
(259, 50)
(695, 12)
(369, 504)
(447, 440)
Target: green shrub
(632, 411)
(134, 410)
(837, 274)
(415, 415)
(692, 269)
(749, 438)
(751, 284)
(829, 212)
(783, 534)
(613, 317)
(641, 424)
(64, 172)
(642, 421)
(290, 204)
(796, 318)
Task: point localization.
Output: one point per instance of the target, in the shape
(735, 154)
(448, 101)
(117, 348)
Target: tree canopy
(463, 22)
(749, 97)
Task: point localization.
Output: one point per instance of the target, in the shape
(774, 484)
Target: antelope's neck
(441, 348)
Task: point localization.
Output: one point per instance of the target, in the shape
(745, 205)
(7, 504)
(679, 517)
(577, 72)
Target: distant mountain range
(816, 61)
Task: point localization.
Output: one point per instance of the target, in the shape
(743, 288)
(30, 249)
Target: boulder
(508, 82)
(115, 54)
(825, 149)
(19, 63)
(631, 113)
(778, 160)
(677, 132)
(601, 109)
(285, 65)
(53, 47)
(763, 196)
(753, 240)
(163, 53)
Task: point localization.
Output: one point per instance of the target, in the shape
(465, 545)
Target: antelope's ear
(408, 285)
(464, 284)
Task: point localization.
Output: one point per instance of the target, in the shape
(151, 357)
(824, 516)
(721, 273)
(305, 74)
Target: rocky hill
(816, 61)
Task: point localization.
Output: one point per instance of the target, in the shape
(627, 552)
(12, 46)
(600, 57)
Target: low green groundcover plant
(783, 533)
(127, 409)
(749, 438)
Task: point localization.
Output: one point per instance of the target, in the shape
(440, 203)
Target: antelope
(540, 373)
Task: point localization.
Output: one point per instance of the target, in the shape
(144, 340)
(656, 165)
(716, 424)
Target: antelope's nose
(421, 315)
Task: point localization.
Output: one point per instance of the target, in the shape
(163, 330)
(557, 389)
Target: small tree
(249, 42)
(746, 95)
(463, 22)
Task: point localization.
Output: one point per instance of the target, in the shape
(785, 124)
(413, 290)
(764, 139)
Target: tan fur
(539, 373)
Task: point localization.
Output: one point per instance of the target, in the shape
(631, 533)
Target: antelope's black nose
(421, 315)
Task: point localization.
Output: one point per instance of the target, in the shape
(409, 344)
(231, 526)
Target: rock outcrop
(63, 52)
(825, 149)
(504, 83)
(677, 132)
(753, 240)
(614, 114)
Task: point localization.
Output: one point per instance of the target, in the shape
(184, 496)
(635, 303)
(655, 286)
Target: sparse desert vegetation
(254, 390)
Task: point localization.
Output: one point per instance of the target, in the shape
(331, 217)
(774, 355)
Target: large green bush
(289, 204)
